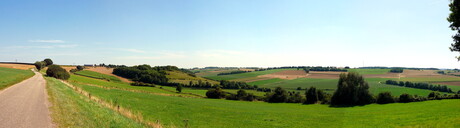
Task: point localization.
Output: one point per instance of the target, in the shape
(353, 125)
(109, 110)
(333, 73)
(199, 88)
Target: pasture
(97, 75)
(172, 111)
(10, 76)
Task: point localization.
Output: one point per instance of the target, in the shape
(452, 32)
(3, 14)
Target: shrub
(142, 84)
(352, 89)
(385, 98)
(80, 68)
(278, 96)
(405, 98)
(40, 65)
(48, 61)
(313, 95)
(179, 88)
(434, 95)
(216, 93)
(58, 72)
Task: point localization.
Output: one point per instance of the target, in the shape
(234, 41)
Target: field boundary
(141, 91)
(123, 111)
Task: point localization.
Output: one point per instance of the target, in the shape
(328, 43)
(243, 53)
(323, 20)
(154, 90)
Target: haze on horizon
(237, 33)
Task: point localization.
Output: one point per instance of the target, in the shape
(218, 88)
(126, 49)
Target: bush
(40, 65)
(216, 93)
(278, 96)
(142, 84)
(405, 98)
(313, 95)
(385, 98)
(48, 61)
(58, 72)
(352, 90)
(179, 88)
(80, 68)
(434, 95)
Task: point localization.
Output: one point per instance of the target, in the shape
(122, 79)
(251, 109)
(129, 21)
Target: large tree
(454, 19)
(352, 89)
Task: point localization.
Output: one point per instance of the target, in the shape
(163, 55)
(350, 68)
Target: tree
(179, 88)
(58, 72)
(385, 98)
(405, 98)
(313, 95)
(40, 65)
(241, 94)
(454, 19)
(216, 93)
(278, 96)
(80, 68)
(352, 89)
(48, 61)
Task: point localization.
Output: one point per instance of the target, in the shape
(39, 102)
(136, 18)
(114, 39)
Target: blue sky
(198, 33)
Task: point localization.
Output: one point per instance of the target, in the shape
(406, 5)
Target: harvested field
(68, 68)
(423, 74)
(107, 71)
(454, 83)
(17, 66)
(288, 74)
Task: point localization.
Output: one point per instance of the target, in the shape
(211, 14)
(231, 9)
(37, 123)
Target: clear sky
(198, 33)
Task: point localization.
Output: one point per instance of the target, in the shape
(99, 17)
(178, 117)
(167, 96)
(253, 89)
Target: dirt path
(25, 105)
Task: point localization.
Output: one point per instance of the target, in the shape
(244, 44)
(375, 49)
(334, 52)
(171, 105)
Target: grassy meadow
(71, 109)
(245, 75)
(97, 75)
(172, 111)
(10, 76)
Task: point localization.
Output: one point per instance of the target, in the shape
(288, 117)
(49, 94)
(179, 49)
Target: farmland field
(84, 113)
(225, 113)
(11, 76)
(245, 75)
(98, 75)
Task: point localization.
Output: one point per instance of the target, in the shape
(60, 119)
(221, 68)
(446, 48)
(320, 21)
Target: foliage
(58, 72)
(40, 65)
(215, 93)
(352, 89)
(314, 95)
(397, 70)
(144, 73)
(441, 88)
(406, 98)
(48, 61)
(232, 72)
(179, 88)
(142, 84)
(279, 95)
(454, 19)
(385, 98)
(80, 67)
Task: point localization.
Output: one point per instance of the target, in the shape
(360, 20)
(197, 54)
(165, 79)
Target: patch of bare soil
(17, 66)
(423, 74)
(454, 83)
(288, 74)
(107, 71)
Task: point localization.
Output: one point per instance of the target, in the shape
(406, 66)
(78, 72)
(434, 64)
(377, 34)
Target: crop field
(11, 76)
(106, 71)
(97, 75)
(17, 66)
(369, 71)
(246, 75)
(180, 77)
(172, 111)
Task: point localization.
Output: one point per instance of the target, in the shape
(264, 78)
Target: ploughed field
(172, 109)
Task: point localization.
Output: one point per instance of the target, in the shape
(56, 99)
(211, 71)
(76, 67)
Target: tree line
(53, 70)
(441, 88)
(397, 70)
(233, 72)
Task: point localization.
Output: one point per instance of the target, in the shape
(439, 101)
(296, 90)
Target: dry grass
(17, 66)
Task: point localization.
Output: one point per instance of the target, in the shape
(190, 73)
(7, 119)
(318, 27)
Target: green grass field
(10, 76)
(369, 71)
(97, 75)
(70, 109)
(245, 75)
(172, 111)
